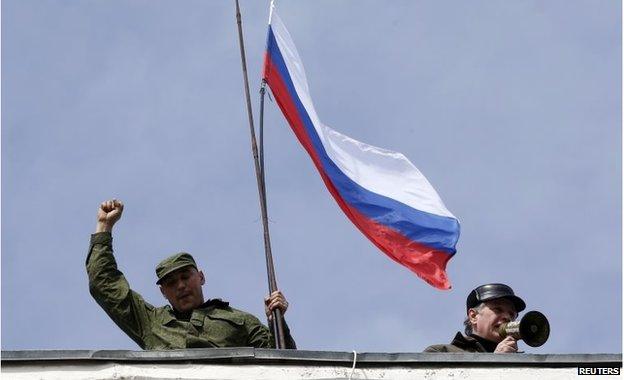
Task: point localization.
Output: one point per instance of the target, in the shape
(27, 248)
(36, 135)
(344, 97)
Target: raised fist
(108, 214)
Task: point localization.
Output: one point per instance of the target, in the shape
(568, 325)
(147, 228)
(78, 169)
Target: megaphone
(533, 328)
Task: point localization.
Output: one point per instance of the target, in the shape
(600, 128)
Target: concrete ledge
(258, 356)
(263, 364)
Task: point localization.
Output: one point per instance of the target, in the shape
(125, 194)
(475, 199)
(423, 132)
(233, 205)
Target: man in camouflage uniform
(487, 307)
(190, 321)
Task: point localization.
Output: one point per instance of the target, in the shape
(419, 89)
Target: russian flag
(379, 190)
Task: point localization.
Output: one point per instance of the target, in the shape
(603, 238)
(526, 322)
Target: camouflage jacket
(460, 343)
(215, 324)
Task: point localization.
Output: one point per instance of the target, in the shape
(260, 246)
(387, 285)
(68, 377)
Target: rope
(354, 361)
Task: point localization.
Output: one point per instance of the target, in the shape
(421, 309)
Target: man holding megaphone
(489, 326)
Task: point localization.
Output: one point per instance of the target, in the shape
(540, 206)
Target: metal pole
(278, 324)
(261, 132)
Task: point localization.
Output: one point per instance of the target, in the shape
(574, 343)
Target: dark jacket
(460, 343)
(213, 324)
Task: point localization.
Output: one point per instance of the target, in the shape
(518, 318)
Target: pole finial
(271, 7)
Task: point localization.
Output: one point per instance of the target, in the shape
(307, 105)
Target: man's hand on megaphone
(507, 345)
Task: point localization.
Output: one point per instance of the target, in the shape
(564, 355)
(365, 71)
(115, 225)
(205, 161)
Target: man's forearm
(111, 290)
(103, 227)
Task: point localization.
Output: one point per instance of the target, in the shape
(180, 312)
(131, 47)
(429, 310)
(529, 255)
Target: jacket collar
(467, 343)
(216, 302)
(172, 314)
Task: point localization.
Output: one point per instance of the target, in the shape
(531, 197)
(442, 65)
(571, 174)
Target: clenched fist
(108, 214)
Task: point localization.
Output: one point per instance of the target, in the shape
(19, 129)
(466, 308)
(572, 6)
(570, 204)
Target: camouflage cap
(173, 263)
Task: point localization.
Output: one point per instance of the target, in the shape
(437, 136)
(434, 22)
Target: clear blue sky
(511, 109)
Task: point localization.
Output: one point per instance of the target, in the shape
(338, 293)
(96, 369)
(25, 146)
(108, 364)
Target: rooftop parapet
(250, 363)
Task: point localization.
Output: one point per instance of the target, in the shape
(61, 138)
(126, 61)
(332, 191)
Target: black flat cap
(489, 292)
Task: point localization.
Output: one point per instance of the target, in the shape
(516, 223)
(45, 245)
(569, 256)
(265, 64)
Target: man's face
(487, 321)
(183, 288)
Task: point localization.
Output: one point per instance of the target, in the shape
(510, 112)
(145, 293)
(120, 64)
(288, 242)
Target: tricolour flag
(380, 191)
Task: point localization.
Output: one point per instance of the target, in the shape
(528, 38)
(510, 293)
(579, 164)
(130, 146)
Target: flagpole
(261, 132)
(278, 324)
